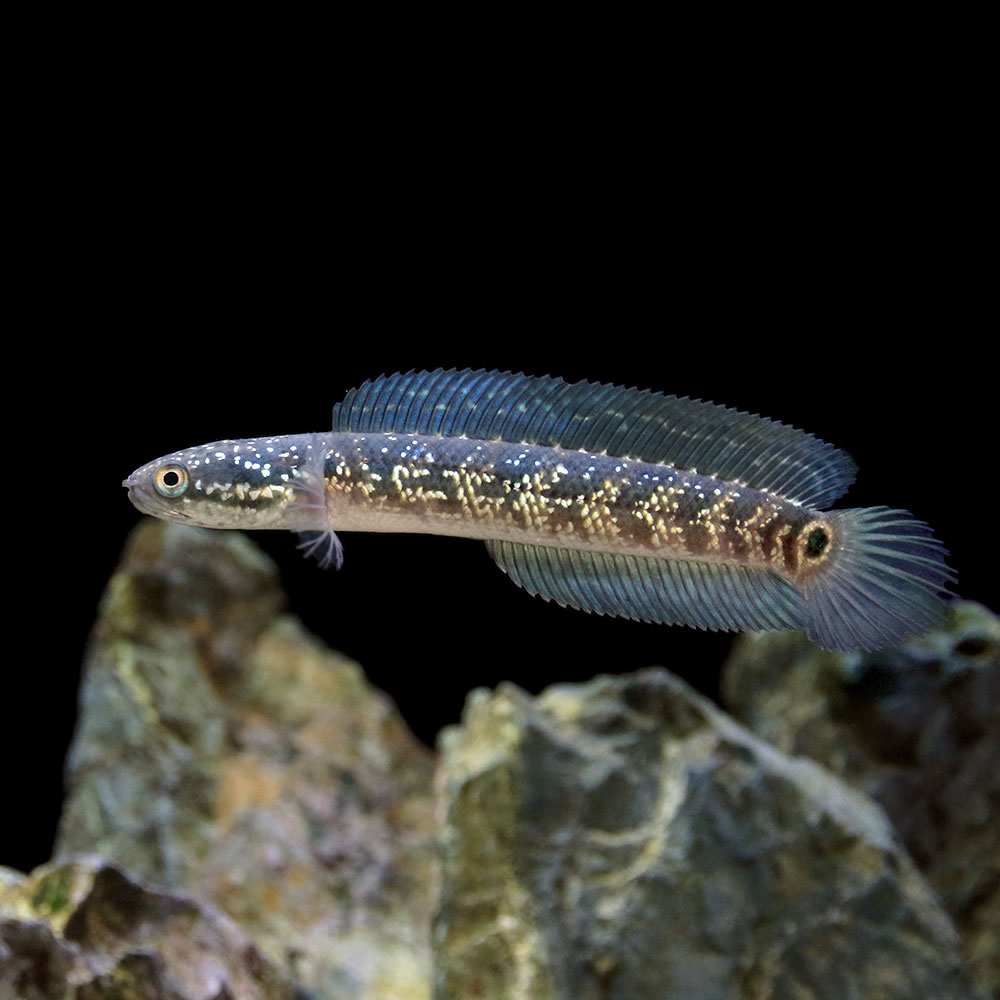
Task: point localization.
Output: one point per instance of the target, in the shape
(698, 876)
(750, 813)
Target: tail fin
(883, 580)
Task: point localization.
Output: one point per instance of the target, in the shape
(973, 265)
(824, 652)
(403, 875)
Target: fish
(611, 500)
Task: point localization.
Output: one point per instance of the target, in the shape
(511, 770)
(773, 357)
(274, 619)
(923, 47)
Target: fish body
(610, 500)
(482, 489)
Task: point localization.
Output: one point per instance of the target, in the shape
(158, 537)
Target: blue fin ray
(883, 582)
(670, 592)
(632, 423)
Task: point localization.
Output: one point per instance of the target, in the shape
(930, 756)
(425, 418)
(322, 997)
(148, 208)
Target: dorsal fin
(631, 423)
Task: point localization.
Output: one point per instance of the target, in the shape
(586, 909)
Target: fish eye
(171, 480)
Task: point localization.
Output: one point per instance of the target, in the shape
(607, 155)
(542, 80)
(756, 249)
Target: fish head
(234, 484)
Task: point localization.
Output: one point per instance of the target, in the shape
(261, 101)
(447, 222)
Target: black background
(206, 258)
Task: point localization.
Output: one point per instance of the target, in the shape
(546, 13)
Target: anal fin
(665, 591)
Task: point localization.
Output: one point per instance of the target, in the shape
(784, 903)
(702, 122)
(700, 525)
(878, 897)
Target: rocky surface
(82, 929)
(222, 751)
(624, 839)
(258, 821)
(918, 729)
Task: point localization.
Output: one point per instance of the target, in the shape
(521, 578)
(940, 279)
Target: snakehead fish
(617, 501)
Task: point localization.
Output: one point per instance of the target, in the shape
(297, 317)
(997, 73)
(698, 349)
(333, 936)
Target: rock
(83, 930)
(918, 729)
(624, 839)
(222, 751)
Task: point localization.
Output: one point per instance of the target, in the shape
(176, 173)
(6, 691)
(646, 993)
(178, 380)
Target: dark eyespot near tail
(883, 578)
(171, 480)
(816, 542)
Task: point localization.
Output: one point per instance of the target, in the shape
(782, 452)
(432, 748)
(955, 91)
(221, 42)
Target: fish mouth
(138, 499)
(135, 491)
(145, 503)
(137, 495)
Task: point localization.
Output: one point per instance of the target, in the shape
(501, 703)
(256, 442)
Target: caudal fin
(883, 580)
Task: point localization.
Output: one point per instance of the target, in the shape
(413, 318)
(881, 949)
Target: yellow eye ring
(171, 480)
